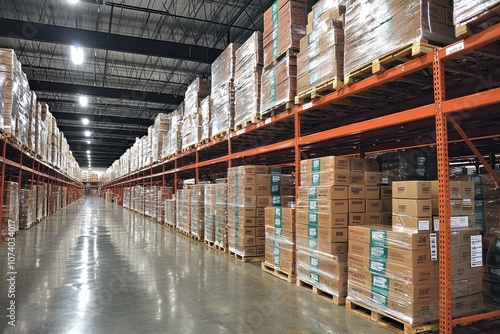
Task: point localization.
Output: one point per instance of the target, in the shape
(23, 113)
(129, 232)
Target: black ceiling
(139, 59)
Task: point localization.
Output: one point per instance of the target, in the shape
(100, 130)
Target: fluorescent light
(84, 101)
(85, 121)
(88, 141)
(88, 152)
(77, 55)
(87, 133)
(73, 1)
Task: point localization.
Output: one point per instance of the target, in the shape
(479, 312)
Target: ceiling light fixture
(88, 152)
(88, 142)
(85, 121)
(87, 133)
(77, 55)
(84, 101)
(72, 1)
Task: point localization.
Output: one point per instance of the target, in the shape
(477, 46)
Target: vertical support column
(229, 152)
(163, 175)
(175, 176)
(32, 173)
(298, 155)
(197, 170)
(493, 159)
(445, 318)
(19, 177)
(2, 182)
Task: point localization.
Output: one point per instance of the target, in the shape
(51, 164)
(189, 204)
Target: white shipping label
(455, 48)
(476, 251)
(424, 225)
(436, 224)
(434, 247)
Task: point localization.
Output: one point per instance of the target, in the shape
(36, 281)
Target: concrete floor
(94, 267)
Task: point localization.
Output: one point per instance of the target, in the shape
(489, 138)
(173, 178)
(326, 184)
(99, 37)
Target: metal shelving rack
(358, 120)
(20, 165)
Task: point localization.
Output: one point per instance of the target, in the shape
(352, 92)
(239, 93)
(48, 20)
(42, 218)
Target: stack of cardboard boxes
(160, 128)
(221, 214)
(249, 61)
(222, 95)
(249, 192)
(284, 27)
(126, 197)
(172, 140)
(198, 211)
(322, 219)
(164, 193)
(210, 200)
(205, 117)
(170, 212)
(191, 121)
(184, 209)
(26, 206)
(10, 208)
(412, 206)
(491, 274)
(321, 56)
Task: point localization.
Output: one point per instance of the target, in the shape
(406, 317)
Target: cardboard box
(323, 192)
(356, 218)
(357, 205)
(338, 177)
(386, 192)
(327, 220)
(412, 207)
(372, 178)
(365, 250)
(356, 192)
(411, 224)
(410, 258)
(458, 189)
(263, 179)
(369, 234)
(387, 218)
(357, 178)
(280, 217)
(329, 264)
(411, 240)
(325, 235)
(335, 248)
(411, 189)
(373, 205)
(467, 305)
(372, 192)
(325, 164)
(373, 218)
(279, 233)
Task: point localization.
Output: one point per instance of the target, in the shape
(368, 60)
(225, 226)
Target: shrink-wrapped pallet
(377, 28)
(221, 215)
(170, 214)
(249, 60)
(161, 126)
(205, 117)
(210, 202)
(279, 84)
(467, 10)
(198, 211)
(190, 130)
(32, 122)
(10, 208)
(25, 209)
(173, 141)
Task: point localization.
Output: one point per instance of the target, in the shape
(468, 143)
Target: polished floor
(94, 267)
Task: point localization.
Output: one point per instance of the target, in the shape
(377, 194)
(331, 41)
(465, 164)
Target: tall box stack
(412, 206)
(170, 213)
(40, 200)
(280, 239)
(322, 219)
(394, 273)
(465, 11)
(172, 142)
(25, 209)
(190, 130)
(321, 56)
(10, 208)
(3, 82)
(126, 197)
(44, 131)
(249, 62)
(377, 28)
(221, 214)
(487, 202)
(163, 194)
(38, 127)
(148, 201)
(160, 128)
(284, 26)
(32, 122)
(246, 209)
(198, 211)
(222, 95)
(210, 200)
(491, 275)
(184, 209)
(205, 117)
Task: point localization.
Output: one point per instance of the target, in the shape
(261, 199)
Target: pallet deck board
(483, 20)
(246, 258)
(337, 300)
(317, 91)
(271, 269)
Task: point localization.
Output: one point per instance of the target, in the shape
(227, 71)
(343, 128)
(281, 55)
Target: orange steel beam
(474, 149)
(373, 81)
(264, 149)
(476, 317)
(472, 101)
(476, 41)
(445, 305)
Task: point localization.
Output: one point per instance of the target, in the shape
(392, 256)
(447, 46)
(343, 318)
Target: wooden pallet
(482, 21)
(196, 237)
(188, 234)
(246, 258)
(277, 59)
(169, 226)
(390, 322)
(379, 64)
(320, 90)
(271, 269)
(277, 109)
(253, 120)
(320, 292)
(219, 135)
(210, 244)
(204, 141)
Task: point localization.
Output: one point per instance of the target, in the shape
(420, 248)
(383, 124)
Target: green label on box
(380, 299)
(313, 219)
(277, 256)
(275, 189)
(316, 165)
(380, 284)
(313, 206)
(316, 179)
(377, 267)
(314, 277)
(314, 262)
(378, 237)
(272, 86)
(276, 200)
(276, 180)
(313, 193)
(275, 43)
(378, 253)
(312, 233)
(275, 10)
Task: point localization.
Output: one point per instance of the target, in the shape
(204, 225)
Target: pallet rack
(405, 107)
(20, 165)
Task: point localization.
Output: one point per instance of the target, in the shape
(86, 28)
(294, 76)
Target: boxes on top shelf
(467, 10)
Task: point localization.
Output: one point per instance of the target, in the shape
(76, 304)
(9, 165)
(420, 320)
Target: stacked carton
(249, 192)
(222, 95)
(462, 210)
(10, 208)
(160, 128)
(249, 61)
(126, 197)
(321, 56)
(163, 194)
(322, 219)
(377, 28)
(221, 214)
(198, 211)
(394, 273)
(284, 27)
(190, 130)
(170, 215)
(26, 209)
(467, 10)
(210, 200)
(205, 117)
(412, 206)
(280, 224)
(172, 140)
(32, 122)
(184, 209)
(491, 276)
(38, 194)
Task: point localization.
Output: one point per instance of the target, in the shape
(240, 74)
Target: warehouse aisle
(94, 267)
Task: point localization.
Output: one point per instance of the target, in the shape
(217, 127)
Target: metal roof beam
(104, 41)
